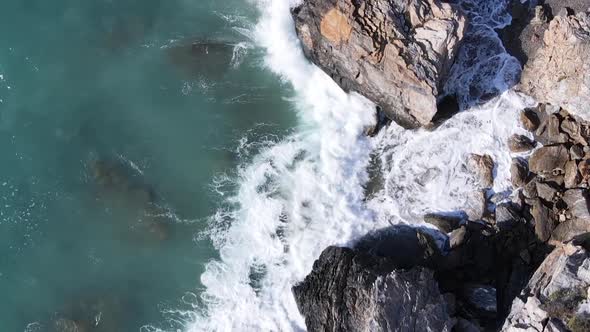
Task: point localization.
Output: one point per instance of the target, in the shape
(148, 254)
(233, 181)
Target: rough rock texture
(549, 159)
(354, 291)
(559, 73)
(396, 53)
(554, 294)
(482, 167)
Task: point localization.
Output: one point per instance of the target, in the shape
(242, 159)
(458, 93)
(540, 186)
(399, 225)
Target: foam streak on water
(300, 195)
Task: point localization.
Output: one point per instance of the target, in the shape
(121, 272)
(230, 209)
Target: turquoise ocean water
(115, 119)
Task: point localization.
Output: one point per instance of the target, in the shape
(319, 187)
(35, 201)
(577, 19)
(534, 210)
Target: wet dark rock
(544, 223)
(483, 168)
(549, 159)
(463, 325)
(519, 172)
(523, 37)
(380, 55)
(444, 223)
(520, 143)
(482, 298)
(530, 189)
(507, 215)
(349, 290)
(404, 246)
(576, 152)
(529, 119)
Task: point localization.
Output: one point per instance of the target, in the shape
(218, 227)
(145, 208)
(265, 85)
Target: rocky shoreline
(518, 262)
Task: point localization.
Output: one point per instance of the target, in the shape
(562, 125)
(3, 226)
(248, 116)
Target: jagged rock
(584, 168)
(559, 73)
(519, 172)
(481, 298)
(476, 205)
(457, 237)
(572, 177)
(404, 246)
(445, 223)
(576, 152)
(349, 290)
(520, 143)
(548, 159)
(577, 202)
(529, 119)
(547, 191)
(544, 223)
(397, 54)
(549, 133)
(506, 216)
(524, 35)
(483, 168)
(547, 304)
(573, 130)
(530, 189)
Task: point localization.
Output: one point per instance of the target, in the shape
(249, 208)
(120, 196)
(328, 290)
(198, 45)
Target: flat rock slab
(396, 53)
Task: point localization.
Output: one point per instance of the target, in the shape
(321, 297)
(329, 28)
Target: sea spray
(304, 193)
(293, 199)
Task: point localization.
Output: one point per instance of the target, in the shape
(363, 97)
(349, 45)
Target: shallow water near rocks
(112, 129)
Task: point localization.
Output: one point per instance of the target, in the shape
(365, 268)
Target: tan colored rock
(559, 73)
(335, 27)
(398, 54)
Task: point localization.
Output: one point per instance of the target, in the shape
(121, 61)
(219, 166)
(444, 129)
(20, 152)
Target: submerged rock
(201, 58)
(397, 54)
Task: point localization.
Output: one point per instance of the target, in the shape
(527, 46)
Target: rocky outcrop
(556, 298)
(353, 291)
(559, 72)
(396, 53)
(396, 275)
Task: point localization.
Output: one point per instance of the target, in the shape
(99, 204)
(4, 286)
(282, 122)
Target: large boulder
(396, 53)
(350, 290)
(553, 297)
(559, 73)
(549, 159)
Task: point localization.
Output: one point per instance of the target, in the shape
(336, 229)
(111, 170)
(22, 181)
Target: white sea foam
(304, 193)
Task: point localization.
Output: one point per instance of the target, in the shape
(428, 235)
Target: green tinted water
(112, 128)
